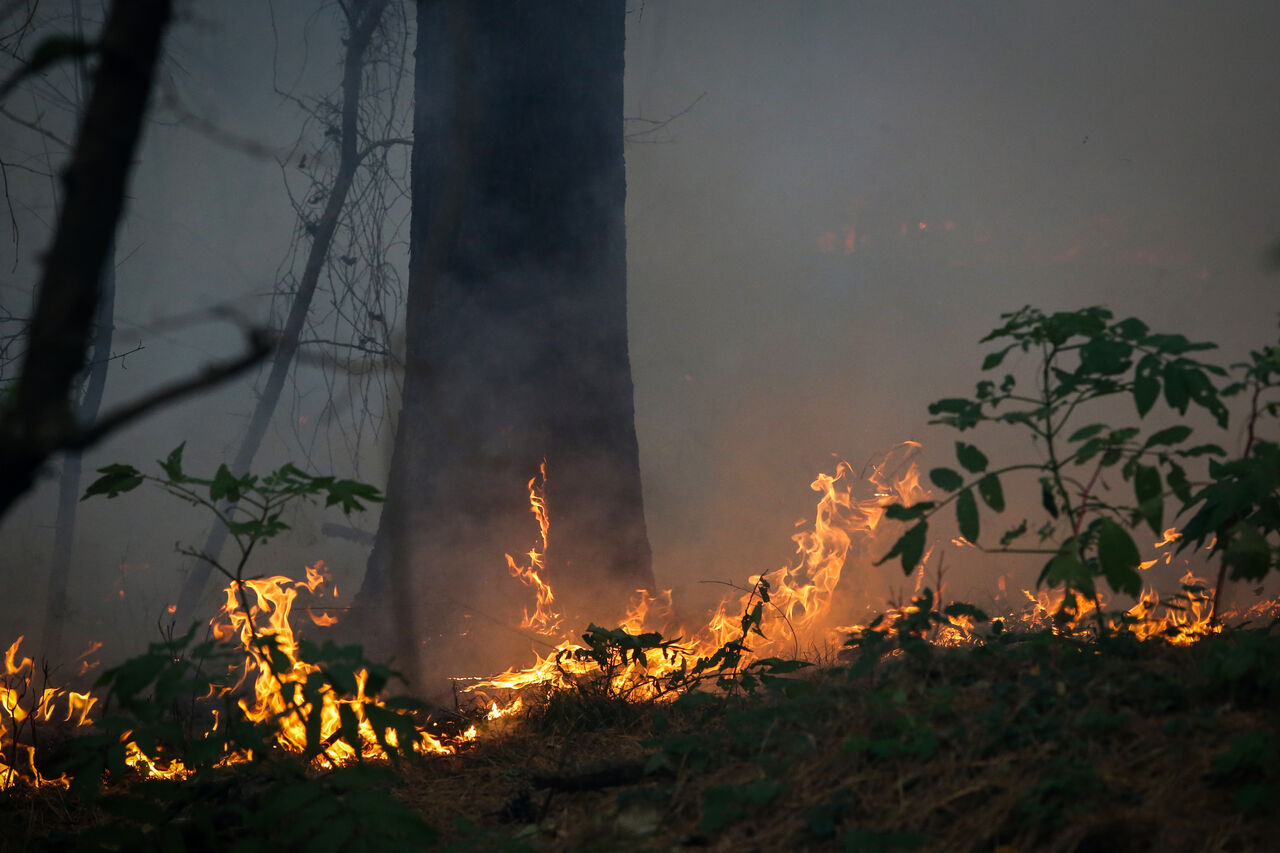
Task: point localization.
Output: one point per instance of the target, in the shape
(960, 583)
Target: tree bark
(40, 418)
(516, 331)
(57, 606)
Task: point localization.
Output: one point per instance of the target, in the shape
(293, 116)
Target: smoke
(848, 198)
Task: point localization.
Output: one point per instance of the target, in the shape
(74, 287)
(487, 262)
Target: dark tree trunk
(57, 607)
(516, 330)
(39, 418)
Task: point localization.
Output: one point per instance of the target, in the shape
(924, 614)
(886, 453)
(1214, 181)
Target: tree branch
(39, 418)
(259, 346)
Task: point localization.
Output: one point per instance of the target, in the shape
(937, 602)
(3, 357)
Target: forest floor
(1030, 742)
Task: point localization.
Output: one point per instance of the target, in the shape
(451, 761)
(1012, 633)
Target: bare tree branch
(259, 345)
(363, 19)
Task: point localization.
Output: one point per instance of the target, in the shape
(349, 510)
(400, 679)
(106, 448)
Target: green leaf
(723, 805)
(1149, 492)
(1146, 385)
(971, 458)
(1119, 558)
(115, 480)
(1201, 450)
(993, 359)
(350, 493)
(1248, 554)
(946, 478)
(962, 608)
(1175, 344)
(1046, 498)
(224, 485)
(1065, 569)
(1086, 432)
(991, 492)
(910, 546)
(1204, 394)
(1176, 391)
(898, 512)
(959, 412)
(1131, 329)
(1013, 533)
(172, 466)
(967, 515)
(1172, 435)
(1178, 482)
(1105, 357)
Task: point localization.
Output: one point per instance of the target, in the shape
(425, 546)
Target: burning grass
(1024, 743)
(1067, 724)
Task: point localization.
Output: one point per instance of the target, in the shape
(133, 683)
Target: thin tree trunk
(40, 418)
(362, 23)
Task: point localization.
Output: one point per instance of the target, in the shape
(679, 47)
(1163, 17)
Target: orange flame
(544, 619)
(21, 705)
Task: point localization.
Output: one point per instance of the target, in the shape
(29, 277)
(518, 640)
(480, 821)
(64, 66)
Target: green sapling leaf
(910, 547)
(967, 515)
(971, 458)
(991, 492)
(1149, 492)
(115, 480)
(946, 478)
(1118, 557)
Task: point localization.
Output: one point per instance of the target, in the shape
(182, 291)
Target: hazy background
(849, 197)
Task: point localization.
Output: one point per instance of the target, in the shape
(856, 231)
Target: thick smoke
(845, 199)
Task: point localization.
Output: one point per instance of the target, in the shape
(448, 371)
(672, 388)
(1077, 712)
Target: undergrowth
(1075, 736)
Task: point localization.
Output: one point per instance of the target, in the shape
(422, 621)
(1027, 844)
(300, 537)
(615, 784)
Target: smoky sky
(849, 197)
(819, 243)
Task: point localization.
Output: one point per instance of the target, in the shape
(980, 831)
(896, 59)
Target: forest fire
(800, 613)
(805, 608)
(23, 703)
(283, 692)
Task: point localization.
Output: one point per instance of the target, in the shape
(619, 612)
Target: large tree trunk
(516, 331)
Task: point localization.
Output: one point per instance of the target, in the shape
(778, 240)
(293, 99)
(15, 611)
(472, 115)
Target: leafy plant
(1240, 508)
(152, 719)
(1082, 357)
(911, 629)
(250, 506)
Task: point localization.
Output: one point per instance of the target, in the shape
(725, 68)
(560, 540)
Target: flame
(801, 606)
(21, 706)
(258, 615)
(544, 619)
(799, 613)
